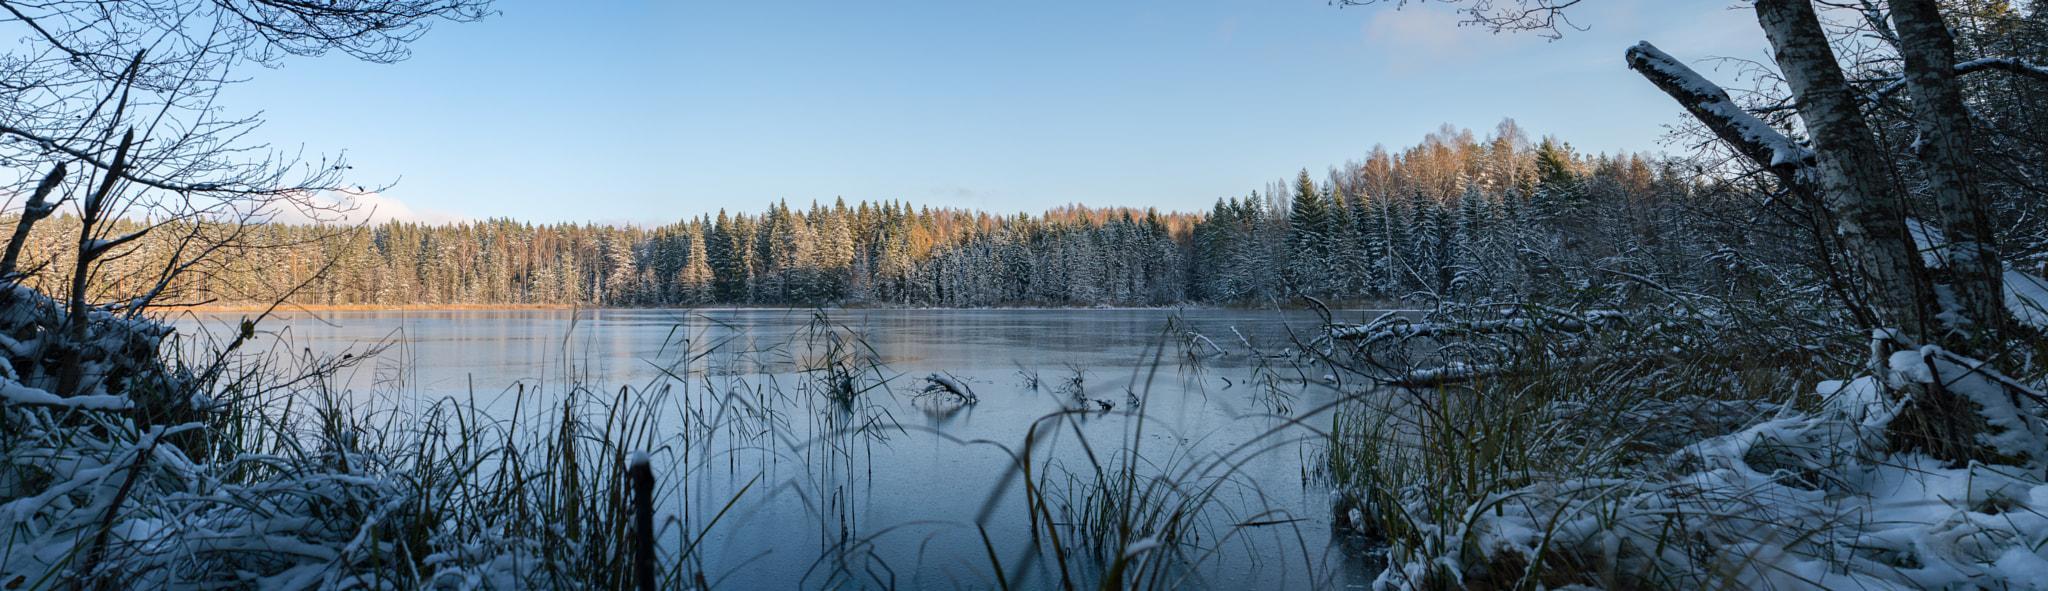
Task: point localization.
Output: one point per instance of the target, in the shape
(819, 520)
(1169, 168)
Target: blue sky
(653, 111)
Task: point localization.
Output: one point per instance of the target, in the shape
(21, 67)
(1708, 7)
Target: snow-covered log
(939, 383)
(1371, 333)
(1566, 322)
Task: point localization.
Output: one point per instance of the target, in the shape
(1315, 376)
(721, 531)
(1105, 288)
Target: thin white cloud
(351, 207)
(1421, 38)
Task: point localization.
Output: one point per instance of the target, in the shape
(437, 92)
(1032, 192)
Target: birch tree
(1972, 258)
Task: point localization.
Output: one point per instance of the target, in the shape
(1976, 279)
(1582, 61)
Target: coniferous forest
(1456, 215)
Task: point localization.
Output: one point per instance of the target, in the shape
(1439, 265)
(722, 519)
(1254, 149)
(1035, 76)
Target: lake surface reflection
(899, 490)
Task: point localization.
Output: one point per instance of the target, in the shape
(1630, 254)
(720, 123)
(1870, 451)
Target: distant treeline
(1451, 216)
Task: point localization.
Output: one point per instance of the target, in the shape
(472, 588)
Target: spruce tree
(1558, 186)
(1308, 225)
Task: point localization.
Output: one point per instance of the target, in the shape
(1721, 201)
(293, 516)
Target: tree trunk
(1870, 215)
(1971, 260)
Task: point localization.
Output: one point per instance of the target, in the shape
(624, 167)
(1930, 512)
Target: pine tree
(1369, 242)
(1213, 238)
(1475, 219)
(833, 254)
(1397, 269)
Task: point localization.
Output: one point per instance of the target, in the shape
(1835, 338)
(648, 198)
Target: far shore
(371, 307)
(217, 308)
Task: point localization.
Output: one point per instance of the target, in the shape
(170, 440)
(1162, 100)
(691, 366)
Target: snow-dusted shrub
(117, 359)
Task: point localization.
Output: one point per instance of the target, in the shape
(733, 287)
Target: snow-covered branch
(1712, 105)
(2019, 66)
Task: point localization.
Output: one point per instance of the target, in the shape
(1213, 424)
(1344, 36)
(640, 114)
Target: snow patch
(2027, 297)
(16, 393)
(1934, 247)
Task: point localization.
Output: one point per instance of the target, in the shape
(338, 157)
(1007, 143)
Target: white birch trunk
(1972, 262)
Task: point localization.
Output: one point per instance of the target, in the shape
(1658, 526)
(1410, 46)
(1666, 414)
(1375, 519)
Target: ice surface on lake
(918, 489)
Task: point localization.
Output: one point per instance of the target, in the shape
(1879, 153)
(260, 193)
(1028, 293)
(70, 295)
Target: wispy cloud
(353, 207)
(957, 192)
(1421, 38)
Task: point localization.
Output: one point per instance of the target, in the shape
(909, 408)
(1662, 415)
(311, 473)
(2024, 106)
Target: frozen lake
(898, 487)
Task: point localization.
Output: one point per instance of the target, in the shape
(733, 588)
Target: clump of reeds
(1029, 378)
(1128, 515)
(843, 367)
(1113, 522)
(1075, 384)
